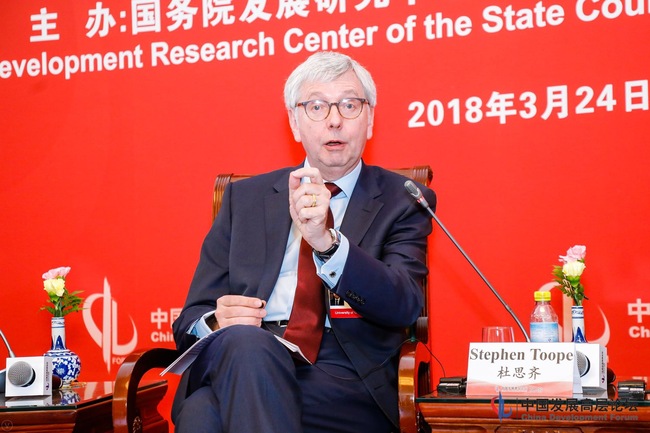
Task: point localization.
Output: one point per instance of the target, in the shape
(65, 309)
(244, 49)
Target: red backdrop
(115, 118)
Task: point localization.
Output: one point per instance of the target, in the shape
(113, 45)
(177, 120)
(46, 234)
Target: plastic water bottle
(543, 321)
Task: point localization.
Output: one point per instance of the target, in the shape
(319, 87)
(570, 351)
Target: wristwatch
(212, 322)
(328, 253)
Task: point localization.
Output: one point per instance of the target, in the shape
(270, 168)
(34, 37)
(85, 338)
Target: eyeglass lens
(349, 108)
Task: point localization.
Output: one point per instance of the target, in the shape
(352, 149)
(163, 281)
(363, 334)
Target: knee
(240, 353)
(237, 332)
(244, 344)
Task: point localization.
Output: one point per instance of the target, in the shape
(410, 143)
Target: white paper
(522, 370)
(181, 363)
(295, 350)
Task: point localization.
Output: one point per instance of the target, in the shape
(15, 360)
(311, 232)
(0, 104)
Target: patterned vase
(65, 363)
(578, 323)
(67, 397)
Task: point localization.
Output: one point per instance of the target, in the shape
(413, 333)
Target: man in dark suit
(370, 265)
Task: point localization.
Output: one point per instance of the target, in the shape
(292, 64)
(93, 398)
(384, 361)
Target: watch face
(336, 237)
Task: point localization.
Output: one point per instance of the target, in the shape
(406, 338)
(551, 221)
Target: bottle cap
(542, 296)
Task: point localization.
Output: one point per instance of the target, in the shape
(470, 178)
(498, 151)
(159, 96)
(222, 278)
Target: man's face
(333, 145)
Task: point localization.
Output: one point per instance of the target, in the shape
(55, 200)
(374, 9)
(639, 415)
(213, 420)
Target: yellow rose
(573, 269)
(54, 286)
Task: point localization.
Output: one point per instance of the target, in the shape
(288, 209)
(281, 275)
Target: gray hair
(327, 66)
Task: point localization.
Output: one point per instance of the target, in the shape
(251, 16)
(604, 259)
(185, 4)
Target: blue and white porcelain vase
(578, 323)
(67, 397)
(65, 363)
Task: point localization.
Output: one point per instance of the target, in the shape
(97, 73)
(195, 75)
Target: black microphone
(413, 189)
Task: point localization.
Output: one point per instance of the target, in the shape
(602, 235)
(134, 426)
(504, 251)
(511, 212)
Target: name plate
(523, 369)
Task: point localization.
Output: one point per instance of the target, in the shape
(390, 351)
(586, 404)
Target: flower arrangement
(63, 301)
(568, 275)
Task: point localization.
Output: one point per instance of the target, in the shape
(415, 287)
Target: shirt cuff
(330, 270)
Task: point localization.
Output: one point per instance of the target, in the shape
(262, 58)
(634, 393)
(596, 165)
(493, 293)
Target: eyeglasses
(317, 110)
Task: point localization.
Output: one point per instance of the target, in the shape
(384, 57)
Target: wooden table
(452, 413)
(84, 408)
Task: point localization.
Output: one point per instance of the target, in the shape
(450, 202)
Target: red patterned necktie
(305, 327)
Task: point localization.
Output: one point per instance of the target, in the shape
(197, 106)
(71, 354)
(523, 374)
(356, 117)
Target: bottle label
(544, 332)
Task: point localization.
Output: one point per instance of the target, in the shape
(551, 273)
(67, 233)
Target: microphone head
(21, 374)
(584, 365)
(413, 189)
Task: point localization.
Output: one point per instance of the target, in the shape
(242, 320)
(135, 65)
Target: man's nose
(334, 118)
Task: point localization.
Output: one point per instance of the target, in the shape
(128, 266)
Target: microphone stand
(420, 199)
(3, 372)
(11, 353)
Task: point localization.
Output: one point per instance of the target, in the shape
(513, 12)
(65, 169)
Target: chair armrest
(413, 381)
(125, 411)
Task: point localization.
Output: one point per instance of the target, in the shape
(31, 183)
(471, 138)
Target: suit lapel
(277, 226)
(361, 212)
(363, 207)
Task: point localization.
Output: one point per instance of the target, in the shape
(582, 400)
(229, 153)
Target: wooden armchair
(414, 362)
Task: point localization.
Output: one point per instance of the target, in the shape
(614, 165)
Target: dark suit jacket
(382, 278)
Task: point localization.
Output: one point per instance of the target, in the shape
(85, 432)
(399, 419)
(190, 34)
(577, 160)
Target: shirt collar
(347, 182)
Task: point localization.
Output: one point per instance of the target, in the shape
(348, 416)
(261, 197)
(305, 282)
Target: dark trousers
(245, 381)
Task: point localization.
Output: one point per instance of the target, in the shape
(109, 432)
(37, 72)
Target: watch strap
(336, 242)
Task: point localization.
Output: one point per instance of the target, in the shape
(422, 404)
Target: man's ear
(371, 121)
(293, 122)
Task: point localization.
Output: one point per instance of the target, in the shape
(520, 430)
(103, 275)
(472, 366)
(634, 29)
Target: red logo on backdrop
(106, 337)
